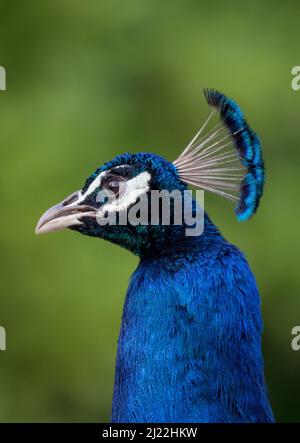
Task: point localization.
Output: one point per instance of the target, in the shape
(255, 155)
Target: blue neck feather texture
(190, 343)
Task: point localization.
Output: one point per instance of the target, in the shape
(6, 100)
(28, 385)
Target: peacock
(189, 348)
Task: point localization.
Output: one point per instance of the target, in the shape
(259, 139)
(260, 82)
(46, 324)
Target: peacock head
(115, 202)
(226, 160)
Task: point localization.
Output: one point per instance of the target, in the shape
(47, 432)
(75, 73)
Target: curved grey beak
(65, 214)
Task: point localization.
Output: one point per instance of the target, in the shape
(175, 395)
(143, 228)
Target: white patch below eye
(131, 190)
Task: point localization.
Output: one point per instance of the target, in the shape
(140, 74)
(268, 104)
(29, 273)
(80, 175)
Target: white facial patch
(131, 190)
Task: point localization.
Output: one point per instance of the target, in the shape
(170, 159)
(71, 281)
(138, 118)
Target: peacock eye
(113, 185)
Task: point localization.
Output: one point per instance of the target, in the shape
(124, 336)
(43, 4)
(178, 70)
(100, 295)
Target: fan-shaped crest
(226, 159)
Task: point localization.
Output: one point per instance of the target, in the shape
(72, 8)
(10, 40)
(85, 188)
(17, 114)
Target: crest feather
(226, 160)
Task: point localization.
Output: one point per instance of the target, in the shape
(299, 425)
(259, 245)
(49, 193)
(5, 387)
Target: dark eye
(113, 185)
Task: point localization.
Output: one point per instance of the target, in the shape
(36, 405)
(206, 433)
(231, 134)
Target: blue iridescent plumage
(189, 348)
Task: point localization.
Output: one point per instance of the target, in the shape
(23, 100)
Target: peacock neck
(175, 247)
(189, 348)
(157, 338)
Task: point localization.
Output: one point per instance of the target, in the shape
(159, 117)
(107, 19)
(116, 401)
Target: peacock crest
(227, 159)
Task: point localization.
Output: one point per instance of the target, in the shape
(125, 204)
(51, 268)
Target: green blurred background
(87, 81)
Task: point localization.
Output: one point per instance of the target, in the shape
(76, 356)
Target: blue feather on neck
(190, 343)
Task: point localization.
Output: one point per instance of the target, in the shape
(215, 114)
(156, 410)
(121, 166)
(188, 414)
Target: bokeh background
(87, 81)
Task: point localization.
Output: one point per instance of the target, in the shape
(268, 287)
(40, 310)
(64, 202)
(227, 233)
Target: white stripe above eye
(94, 185)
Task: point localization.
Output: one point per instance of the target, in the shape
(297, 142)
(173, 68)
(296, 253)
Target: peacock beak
(64, 214)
